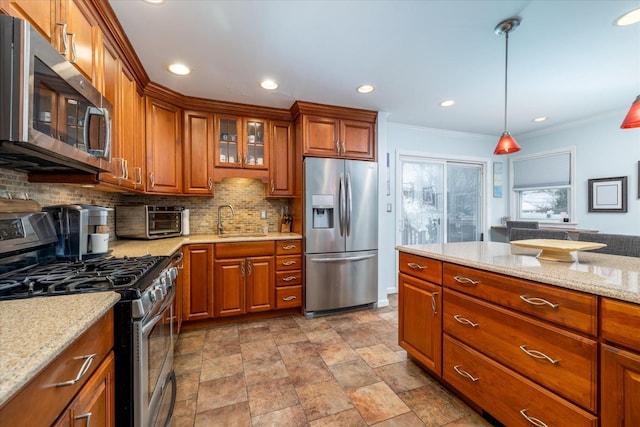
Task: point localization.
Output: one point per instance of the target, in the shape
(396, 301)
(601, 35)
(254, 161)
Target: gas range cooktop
(68, 277)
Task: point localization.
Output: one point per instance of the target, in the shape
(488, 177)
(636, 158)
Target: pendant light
(506, 144)
(632, 120)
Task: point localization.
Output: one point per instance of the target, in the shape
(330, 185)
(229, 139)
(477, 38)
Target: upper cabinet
(339, 132)
(281, 171)
(69, 26)
(241, 143)
(198, 153)
(163, 147)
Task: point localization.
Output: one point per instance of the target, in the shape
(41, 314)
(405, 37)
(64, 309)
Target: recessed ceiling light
(540, 119)
(179, 69)
(629, 18)
(447, 103)
(366, 88)
(269, 84)
(154, 1)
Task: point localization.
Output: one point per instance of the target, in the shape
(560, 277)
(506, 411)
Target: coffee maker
(79, 230)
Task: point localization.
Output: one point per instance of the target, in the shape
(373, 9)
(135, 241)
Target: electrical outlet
(388, 207)
(263, 214)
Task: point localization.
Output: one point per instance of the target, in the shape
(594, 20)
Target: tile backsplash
(247, 196)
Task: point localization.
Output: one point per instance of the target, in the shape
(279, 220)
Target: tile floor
(339, 370)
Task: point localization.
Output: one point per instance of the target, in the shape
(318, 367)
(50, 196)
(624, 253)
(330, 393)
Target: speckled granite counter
(169, 246)
(34, 331)
(606, 275)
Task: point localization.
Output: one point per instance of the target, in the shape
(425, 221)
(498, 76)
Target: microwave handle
(103, 112)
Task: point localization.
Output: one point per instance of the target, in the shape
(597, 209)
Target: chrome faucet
(233, 213)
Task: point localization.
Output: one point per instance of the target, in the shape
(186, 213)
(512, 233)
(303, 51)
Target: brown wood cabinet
(198, 282)
(92, 392)
(198, 153)
(244, 278)
(163, 147)
(281, 172)
(420, 310)
(288, 274)
(241, 142)
(620, 363)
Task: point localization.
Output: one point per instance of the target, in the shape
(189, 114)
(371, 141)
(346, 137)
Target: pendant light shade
(507, 144)
(632, 120)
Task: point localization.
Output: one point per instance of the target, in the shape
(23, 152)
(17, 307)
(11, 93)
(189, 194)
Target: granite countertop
(169, 246)
(34, 331)
(600, 274)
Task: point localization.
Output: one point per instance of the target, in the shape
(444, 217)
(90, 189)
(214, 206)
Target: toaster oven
(148, 222)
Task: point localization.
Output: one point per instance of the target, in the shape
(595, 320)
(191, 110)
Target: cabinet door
(228, 142)
(356, 140)
(420, 321)
(198, 153)
(230, 287)
(320, 136)
(197, 293)
(83, 38)
(164, 147)
(281, 161)
(256, 143)
(260, 284)
(40, 13)
(94, 405)
(620, 387)
(111, 90)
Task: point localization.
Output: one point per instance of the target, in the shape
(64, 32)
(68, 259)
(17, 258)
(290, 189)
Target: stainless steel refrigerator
(341, 234)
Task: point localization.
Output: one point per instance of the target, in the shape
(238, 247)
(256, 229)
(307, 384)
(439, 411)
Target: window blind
(551, 170)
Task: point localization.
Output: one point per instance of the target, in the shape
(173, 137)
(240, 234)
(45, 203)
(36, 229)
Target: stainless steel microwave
(148, 222)
(52, 119)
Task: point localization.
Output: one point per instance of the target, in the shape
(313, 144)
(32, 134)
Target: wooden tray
(557, 250)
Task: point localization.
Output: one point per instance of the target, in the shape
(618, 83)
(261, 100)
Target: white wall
(602, 150)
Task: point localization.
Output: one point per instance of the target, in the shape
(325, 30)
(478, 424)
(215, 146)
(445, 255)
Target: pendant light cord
(506, 64)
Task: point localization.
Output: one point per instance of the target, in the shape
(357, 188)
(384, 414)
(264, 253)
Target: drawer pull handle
(538, 301)
(465, 280)
(536, 422)
(538, 355)
(434, 303)
(87, 416)
(88, 359)
(289, 278)
(289, 247)
(415, 266)
(465, 374)
(465, 321)
(288, 263)
(289, 298)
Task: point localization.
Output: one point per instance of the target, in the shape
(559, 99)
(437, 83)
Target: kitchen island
(524, 340)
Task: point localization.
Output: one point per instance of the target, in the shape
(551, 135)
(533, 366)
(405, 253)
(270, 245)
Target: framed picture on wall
(497, 179)
(608, 194)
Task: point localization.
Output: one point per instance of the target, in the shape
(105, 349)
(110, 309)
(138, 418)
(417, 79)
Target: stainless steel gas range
(145, 378)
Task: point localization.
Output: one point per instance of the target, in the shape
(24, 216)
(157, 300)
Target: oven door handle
(149, 325)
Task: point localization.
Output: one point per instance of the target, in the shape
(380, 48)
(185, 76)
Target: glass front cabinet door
(228, 151)
(255, 153)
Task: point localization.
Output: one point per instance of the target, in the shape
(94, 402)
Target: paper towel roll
(185, 222)
(99, 242)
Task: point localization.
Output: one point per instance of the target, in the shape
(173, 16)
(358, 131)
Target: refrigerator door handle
(351, 258)
(342, 205)
(349, 204)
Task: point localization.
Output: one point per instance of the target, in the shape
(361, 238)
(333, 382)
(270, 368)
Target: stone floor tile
(434, 405)
(324, 336)
(350, 417)
(316, 324)
(333, 354)
(271, 396)
(190, 344)
(279, 323)
(298, 351)
(187, 363)
(403, 376)
(219, 367)
(288, 417)
(378, 355)
(390, 340)
(288, 336)
(380, 327)
(260, 349)
(308, 371)
(222, 333)
(409, 419)
(236, 415)
(359, 337)
(323, 399)
(221, 392)
(187, 385)
(377, 402)
(249, 334)
(365, 316)
(354, 374)
(184, 413)
(471, 420)
(220, 348)
(261, 370)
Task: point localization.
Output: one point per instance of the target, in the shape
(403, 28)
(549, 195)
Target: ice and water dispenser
(322, 206)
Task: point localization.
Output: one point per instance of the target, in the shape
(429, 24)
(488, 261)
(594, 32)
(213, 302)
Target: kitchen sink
(242, 235)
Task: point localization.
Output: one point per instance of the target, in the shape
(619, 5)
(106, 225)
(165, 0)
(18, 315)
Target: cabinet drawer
(52, 399)
(288, 262)
(288, 278)
(243, 249)
(620, 322)
(285, 247)
(420, 267)
(568, 308)
(504, 394)
(289, 296)
(560, 360)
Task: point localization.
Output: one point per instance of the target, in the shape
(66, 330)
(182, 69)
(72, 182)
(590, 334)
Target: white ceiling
(566, 60)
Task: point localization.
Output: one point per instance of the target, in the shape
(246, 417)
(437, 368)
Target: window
(543, 186)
